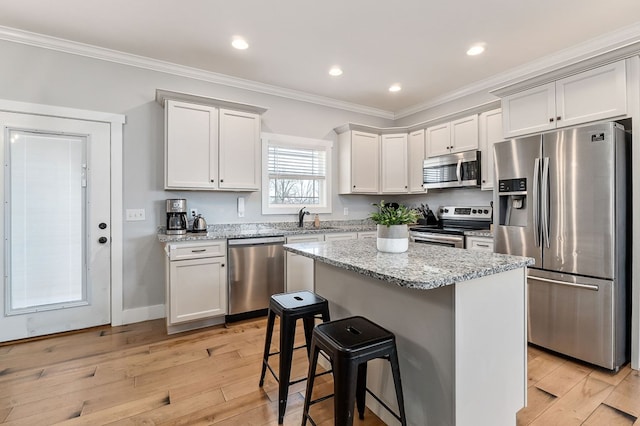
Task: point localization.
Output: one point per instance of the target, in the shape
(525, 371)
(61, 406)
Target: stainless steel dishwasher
(256, 271)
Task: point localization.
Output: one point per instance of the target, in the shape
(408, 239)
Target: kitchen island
(459, 317)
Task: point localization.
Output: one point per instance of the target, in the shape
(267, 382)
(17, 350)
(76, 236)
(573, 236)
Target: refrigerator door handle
(545, 201)
(536, 201)
(458, 167)
(584, 286)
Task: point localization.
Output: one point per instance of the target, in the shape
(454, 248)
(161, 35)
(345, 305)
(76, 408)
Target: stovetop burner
(456, 220)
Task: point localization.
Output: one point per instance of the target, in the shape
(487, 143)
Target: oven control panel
(466, 212)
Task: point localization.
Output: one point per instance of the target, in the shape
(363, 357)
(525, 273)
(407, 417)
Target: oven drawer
(479, 243)
(446, 240)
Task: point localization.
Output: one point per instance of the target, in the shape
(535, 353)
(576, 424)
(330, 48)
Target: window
(296, 174)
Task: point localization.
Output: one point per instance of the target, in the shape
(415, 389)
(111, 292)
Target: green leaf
(387, 215)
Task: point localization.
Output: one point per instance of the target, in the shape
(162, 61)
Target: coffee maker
(176, 216)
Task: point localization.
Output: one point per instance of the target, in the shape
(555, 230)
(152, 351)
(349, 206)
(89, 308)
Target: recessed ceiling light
(395, 88)
(335, 71)
(239, 43)
(476, 49)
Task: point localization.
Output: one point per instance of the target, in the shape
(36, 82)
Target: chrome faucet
(301, 214)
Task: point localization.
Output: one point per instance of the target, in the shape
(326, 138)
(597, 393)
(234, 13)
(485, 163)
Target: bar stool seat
(290, 307)
(350, 343)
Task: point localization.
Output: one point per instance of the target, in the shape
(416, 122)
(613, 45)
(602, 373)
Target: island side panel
(423, 322)
(491, 353)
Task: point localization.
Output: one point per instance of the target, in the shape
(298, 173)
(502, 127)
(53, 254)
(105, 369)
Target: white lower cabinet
(479, 243)
(196, 283)
(299, 269)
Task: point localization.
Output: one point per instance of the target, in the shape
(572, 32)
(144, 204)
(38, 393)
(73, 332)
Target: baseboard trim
(145, 313)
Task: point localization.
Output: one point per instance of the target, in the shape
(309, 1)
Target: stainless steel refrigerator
(561, 199)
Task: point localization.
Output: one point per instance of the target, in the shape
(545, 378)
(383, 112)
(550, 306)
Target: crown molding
(95, 52)
(622, 43)
(613, 46)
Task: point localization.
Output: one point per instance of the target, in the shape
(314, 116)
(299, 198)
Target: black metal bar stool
(290, 307)
(350, 343)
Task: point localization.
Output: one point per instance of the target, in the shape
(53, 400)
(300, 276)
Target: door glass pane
(46, 206)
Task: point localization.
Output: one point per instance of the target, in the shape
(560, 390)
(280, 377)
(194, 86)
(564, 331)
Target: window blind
(296, 163)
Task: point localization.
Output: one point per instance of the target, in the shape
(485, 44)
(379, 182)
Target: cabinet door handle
(483, 245)
(198, 251)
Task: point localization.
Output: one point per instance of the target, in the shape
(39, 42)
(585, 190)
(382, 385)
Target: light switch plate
(240, 206)
(133, 215)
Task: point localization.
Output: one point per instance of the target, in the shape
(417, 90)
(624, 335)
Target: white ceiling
(420, 44)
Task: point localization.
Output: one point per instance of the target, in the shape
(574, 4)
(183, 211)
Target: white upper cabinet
(415, 160)
(592, 95)
(239, 150)
(394, 163)
(438, 139)
(596, 94)
(490, 128)
(464, 134)
(191, 146)
(455, 136)
(208, 146)
(359, 162)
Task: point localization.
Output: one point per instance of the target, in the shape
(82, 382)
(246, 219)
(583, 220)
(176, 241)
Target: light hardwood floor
(137, 375)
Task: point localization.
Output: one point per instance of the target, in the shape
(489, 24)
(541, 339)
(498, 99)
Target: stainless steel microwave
(452, 170)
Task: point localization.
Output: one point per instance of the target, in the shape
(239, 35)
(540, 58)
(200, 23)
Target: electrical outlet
(346, 211)
(193, 213)
(135, 215)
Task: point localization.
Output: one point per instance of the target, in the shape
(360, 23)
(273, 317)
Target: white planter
(393, 238)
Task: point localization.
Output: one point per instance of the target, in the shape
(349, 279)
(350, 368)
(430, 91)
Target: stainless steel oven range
(451, 224)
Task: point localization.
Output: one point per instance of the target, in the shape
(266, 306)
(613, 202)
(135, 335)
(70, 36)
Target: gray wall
(31, 74)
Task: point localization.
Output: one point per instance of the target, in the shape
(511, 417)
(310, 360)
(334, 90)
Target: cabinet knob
(558, 118)
(212, 180)
(551, 120)
(221, 180)
(405, 187)
(354, 186)
(222, 265)
(102, 240)
(484, 181)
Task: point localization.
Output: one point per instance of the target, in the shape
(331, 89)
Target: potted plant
(392, 221)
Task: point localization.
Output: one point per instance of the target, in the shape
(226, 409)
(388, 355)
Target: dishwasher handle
(255, 241)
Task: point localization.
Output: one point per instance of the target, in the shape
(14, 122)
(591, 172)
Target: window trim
(295, 142)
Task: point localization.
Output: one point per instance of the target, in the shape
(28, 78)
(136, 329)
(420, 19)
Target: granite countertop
(422, 267)
(275, 229)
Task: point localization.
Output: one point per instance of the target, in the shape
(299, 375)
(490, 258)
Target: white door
(56, 225)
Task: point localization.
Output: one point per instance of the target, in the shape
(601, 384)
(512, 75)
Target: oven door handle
(432, 237)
